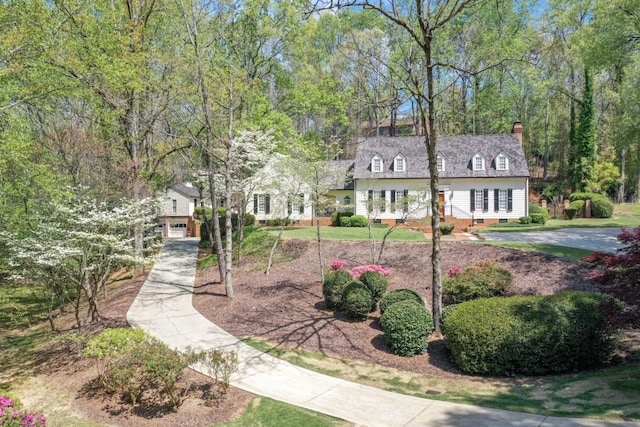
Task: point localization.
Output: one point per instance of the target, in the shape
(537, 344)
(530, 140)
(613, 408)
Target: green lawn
(559, 251)
(350, 233)
(624, 215)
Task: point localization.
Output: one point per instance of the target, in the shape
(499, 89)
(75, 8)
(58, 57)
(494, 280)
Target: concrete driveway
(593, 239)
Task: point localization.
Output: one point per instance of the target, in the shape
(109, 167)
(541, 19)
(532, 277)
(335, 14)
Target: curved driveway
(164, 309)
(593, 239)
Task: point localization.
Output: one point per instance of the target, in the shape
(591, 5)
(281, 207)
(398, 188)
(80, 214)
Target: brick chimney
(517, 129)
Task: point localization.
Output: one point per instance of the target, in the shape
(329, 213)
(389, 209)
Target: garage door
(177, 230)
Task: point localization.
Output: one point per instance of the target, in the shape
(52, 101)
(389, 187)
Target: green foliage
(357, 300)
(581, 196)
(482, 280)
(219, 365)
(606, 177)
(525, 220)
(601, 207)
(397, 296)
(530, 334)
(359, 221)
(407, 325)
(446, 312)
(578, 205)
(336, 218)
(257, 241)
(446, 228)
(333, 286)
(538, 218)
(376, 283)
(130, 362)
(345, 221)
(570, 212)
(535, 208)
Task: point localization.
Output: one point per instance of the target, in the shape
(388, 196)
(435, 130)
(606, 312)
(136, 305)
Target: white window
(174, 206)
(502, 163)
(399, 164)
(376, 164)
(478, 163)
(347, 200)
(262, 203)
(502, 200)
(479, 196)
(440, 163)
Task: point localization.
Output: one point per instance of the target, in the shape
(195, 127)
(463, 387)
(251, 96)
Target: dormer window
(399, 164)
(502, 162)
(376, 164)
(478, 163)
(440, 163)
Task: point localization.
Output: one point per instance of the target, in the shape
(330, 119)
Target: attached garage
(177, 229)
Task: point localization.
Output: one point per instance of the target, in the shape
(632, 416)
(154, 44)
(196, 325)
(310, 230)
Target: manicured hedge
(525, 220)
(376, 283)
(446, 228)
(481, 280)
(407, 325)
(538, 218)
(334, 283)
(359, 221)
(345, 221)
(397, 296)
(530, 334)
(446, 312)
(601, 207)
(357, 300)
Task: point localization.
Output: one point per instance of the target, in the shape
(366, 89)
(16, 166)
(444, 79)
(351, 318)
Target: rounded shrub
(446, 228)
(359, 221)
(376, 283)
(407, 325)
(345, 221)
(357, 300)
(397, 296)
(601, 207)
(538, 218)
(334, 283)
(530, 335)
(525, 220)
(578, 205)
(444, 315)
(482, 280)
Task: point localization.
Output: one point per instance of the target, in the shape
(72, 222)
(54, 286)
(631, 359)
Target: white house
(482, 179)
(176, 217)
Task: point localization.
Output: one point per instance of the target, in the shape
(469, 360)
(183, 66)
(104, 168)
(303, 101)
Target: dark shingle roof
(457, 151)
(186, 190)
(343, 179)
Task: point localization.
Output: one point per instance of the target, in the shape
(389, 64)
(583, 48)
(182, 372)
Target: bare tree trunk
(216, 242)
(275, 244)
(623, 177)
(545, 165)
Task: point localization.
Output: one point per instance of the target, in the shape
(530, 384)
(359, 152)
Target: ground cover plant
(480, 280)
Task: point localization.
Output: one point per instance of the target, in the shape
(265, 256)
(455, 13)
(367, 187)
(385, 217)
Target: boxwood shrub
(538, 218)
(525, 220)
(407, 325)
(345, 221)
(334, 283)
(397, 296)
(359, 221)
(444, 315)
(376, 283)
(446, 228)
(601, 207)
(357, 300)
(481, 280)
(530, 335)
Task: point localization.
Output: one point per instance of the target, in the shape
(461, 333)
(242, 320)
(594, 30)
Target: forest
(124, 98)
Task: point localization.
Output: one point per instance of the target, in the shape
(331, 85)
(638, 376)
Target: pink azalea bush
(454, 271)
(337, 264)
(356, 272)
(11, 416)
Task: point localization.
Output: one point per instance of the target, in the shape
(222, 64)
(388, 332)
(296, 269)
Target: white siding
(461, 199)
(418, 189)
(184, 205)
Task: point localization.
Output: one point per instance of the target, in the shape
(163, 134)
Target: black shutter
(393, 201)
(472, 202)
(301, 210)
(485, 199)
(509, 200)
(255, 203)
(405, 203)
(267, 204)
(289, 207)
(370, 204)
(496, 200)
(383, 200)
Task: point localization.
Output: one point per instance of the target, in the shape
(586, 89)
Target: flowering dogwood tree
(77, 246)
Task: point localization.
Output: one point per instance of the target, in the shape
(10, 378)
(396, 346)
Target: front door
(441, 204)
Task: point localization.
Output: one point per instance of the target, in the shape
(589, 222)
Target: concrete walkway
(164, 309)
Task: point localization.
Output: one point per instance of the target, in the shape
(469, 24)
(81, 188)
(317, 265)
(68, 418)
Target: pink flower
(454, 271)
(337, 265)
(356, 272)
